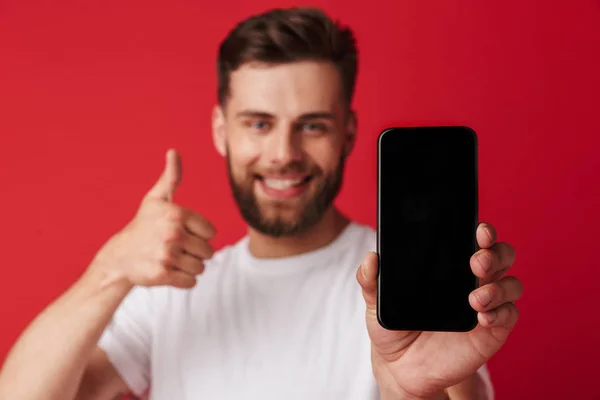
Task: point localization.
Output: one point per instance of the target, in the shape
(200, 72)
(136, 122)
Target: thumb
(367, 278)
(166, 185)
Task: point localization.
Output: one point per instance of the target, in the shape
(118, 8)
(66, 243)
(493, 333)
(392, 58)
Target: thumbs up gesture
(164, 244)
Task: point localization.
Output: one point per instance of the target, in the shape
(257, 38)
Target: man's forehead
(286, 90)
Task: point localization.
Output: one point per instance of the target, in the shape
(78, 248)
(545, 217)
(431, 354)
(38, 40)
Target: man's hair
(288, 35)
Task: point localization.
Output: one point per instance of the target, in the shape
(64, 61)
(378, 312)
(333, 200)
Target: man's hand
(164, 244)
(420, 365)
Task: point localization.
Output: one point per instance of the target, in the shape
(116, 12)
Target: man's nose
(285, 146)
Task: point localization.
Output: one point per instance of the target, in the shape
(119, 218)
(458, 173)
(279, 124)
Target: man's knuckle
(158, 274)
(165, 256)
(175, 214)
(173, 234)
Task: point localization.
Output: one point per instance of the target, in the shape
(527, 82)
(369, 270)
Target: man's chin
(276, 228)
(280, 214)
(284, 219)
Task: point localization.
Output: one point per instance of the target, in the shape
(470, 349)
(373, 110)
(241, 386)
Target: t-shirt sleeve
(485, 377)
(127, 340)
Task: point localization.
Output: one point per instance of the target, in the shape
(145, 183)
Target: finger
(492, 295)
(491, 264)
(172, 257)
(197, 247)
(367, 278)
(506, 254)
(486, 235)
(166, 185)
(189, 264)
(506, 316)
(200, 226)
(180, 279)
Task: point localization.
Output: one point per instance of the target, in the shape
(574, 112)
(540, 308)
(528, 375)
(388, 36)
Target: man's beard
(307, 217)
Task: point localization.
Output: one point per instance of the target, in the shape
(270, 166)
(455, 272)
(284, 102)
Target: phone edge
(378, 222)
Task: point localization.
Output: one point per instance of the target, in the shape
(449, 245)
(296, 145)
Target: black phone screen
(426, 227)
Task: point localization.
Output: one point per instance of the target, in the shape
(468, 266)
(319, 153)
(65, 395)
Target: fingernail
(491, 316)
(363, 270)
(484, 296)
(488, 231)
(485, 261)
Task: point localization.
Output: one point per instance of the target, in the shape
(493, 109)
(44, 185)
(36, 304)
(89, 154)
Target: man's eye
(314, 127)
(258, 125)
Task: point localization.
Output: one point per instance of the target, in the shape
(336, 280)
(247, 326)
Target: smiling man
(289, 311)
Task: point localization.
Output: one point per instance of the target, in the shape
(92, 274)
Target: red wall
(91, 95)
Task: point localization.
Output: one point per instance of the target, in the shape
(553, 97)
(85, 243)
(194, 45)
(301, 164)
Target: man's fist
(164, 244)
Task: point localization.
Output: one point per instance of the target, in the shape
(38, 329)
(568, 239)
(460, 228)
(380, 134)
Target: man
(278, 315)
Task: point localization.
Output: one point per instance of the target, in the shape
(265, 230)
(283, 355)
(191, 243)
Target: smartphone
(427, 217)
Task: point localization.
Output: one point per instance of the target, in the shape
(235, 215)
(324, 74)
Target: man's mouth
(283, 186)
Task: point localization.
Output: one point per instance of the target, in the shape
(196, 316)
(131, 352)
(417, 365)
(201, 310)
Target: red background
(92, 94)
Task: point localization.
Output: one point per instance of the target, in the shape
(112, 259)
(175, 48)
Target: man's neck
(320, 235)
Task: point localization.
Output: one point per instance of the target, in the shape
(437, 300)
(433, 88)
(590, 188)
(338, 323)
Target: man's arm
(59, 347)
(476, 387)
(100, 380)
(473, 388)
(57, 356)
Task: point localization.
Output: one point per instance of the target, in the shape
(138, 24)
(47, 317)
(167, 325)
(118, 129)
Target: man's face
(285, 133)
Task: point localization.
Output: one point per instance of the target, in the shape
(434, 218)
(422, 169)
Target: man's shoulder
(226, 254)
(364, 236)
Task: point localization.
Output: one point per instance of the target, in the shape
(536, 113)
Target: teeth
(281, 184)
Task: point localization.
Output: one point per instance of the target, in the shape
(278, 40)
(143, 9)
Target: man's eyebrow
(253, 114)
(316, 115)
(266, 115)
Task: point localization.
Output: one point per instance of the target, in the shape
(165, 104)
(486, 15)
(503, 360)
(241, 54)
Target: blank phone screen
(427, 219)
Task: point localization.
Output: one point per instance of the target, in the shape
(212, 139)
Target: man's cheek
(246, 150)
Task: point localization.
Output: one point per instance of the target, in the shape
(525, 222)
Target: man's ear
(218, 130)
(350, 133)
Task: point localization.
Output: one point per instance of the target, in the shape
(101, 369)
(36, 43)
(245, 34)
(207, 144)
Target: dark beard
(308, 217)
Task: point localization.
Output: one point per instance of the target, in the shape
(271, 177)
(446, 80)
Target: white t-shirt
(269, 329)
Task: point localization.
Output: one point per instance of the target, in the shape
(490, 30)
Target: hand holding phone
(423, 284)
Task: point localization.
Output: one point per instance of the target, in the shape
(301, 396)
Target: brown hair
(288, 35)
